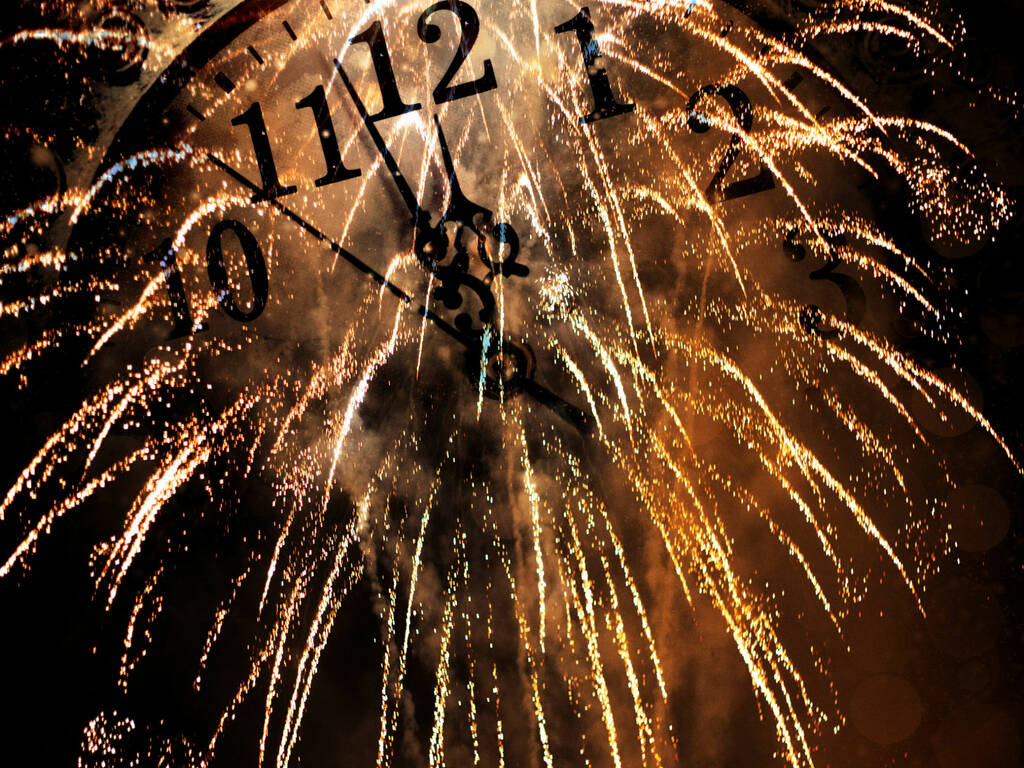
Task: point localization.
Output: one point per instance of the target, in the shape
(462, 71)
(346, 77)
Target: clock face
(421, 180)
(515, 321)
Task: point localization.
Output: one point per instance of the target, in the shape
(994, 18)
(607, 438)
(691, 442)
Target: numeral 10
(255, 264)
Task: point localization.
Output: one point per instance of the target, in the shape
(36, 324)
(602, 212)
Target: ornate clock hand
(474, 345)
(465, 212)
(431, 241)
(389, 160)
(431, 248)
(460, 208)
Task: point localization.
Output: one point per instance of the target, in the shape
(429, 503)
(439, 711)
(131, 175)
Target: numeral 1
(336, 170)
(605, 103)
(272, 187)
(373, 36)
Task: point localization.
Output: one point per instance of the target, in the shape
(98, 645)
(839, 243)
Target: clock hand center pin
(432, 241)
(467, 214)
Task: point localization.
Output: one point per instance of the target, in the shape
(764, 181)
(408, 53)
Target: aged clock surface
(504, 383)
(333, 189)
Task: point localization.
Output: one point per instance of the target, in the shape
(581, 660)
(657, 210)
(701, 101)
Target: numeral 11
(272, 188)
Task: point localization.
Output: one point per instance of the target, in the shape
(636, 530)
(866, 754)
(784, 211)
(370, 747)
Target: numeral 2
(717, 191)
(605, 103)
(470, 25)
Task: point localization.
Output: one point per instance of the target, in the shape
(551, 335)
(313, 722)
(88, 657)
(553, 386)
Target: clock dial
(526, 325)
(260, 118)
(254, 115)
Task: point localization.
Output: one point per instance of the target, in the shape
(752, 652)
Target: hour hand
(431, 245)
(460, 208)
(490, 237)
(408, 196)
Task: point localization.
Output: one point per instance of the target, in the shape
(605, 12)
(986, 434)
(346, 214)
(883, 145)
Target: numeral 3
(811, 317)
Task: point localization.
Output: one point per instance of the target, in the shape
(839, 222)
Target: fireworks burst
(660, 413)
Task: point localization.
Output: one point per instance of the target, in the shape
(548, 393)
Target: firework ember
(501, 382)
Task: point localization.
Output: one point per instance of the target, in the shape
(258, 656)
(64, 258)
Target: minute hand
(419, 215)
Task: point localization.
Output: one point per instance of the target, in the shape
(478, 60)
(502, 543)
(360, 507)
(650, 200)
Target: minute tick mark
(225, 83)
